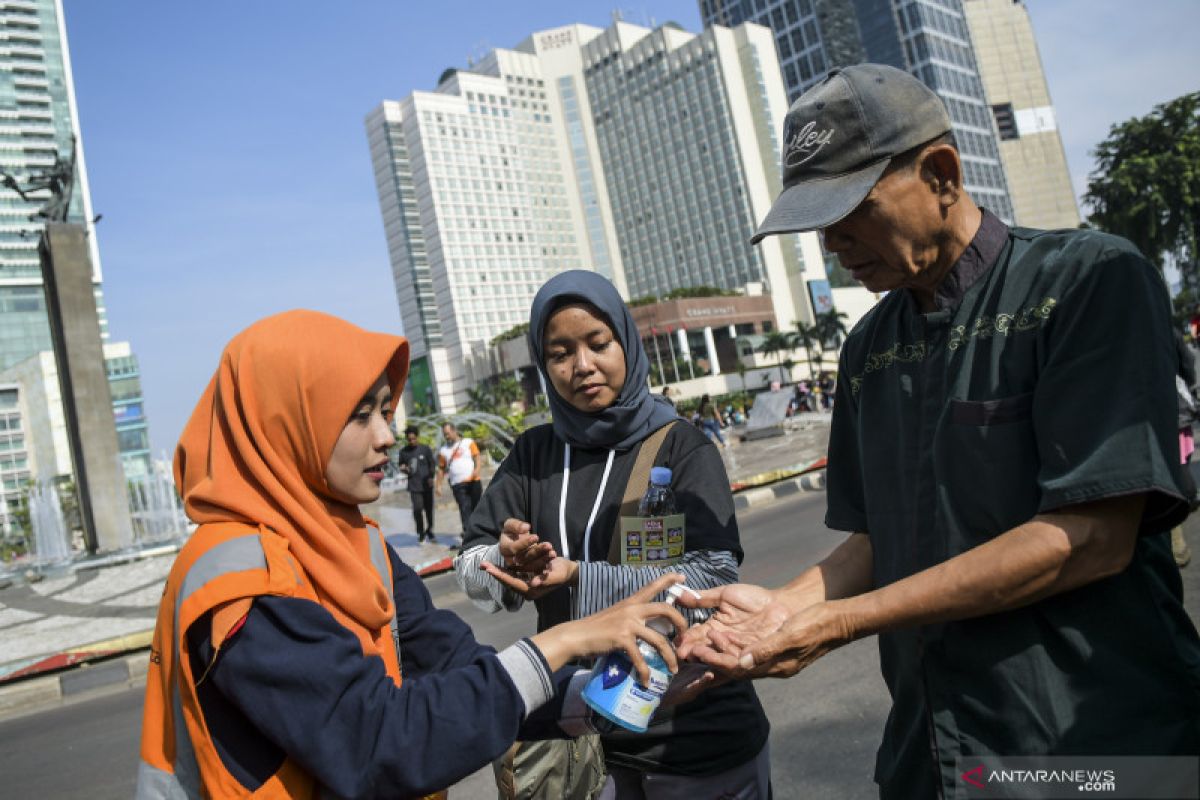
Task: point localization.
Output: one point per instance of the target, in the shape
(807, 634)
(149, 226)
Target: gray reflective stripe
(235, 555)
(380, 559)
(156, 784)
(187, 769)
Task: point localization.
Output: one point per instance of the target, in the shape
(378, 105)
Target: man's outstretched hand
(754, 633)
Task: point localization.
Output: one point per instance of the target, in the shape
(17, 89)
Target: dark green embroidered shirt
(1044, 378)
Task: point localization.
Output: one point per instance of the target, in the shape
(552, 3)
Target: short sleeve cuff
(1165, 507)
(851, 523)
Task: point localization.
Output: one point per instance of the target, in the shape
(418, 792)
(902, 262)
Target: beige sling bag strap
(639, 479)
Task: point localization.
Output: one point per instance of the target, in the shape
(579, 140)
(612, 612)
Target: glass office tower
(928, 38)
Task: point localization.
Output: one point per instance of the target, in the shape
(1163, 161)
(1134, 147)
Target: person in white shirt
(459, 463)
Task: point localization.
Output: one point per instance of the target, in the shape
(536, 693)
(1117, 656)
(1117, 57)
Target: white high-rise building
(646, 155)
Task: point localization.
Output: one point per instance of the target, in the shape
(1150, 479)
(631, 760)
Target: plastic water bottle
(659, 500)
(613, 690)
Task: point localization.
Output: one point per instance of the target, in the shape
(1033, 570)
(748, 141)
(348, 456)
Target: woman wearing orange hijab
(294, 654)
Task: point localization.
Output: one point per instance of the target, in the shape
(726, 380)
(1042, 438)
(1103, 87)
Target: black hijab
(635, 414)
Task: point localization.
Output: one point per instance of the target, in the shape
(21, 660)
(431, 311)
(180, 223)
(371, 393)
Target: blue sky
(225, 144)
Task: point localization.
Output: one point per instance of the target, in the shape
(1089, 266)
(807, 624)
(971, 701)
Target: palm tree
(776, 342)
(829, 326)
(805, 337)
(506, 391)
(832, 325)
(741, 371)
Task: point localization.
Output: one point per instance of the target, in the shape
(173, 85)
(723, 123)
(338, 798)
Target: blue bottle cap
(660, 476)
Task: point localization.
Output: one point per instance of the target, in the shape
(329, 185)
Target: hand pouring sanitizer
(613, 690)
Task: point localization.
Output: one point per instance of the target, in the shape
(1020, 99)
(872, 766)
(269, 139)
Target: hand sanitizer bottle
(613, 691)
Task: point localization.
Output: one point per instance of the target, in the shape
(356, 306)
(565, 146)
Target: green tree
(805, 338)
(830, 327)
(644, 300)
(1146, 184)
(515, 332)
(776, 343)
(495, 396)
(699, 291)
(506, 391)
(828, 330)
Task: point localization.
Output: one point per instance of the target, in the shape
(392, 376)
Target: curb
(39, 694)
(811, 481)
(75, 656)
(437, 567)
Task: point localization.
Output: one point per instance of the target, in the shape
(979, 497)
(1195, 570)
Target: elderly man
(1003, 452)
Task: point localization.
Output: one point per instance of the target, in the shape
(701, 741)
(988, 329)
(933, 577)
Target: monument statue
(71, 311)
(58, 179)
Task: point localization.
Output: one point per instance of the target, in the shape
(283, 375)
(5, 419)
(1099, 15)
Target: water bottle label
(652, 541)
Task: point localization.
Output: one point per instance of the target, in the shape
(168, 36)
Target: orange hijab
(256, 448)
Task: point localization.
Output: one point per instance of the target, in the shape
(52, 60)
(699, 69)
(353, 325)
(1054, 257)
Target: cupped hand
(744, 614)
(521, 550)
(558, 573)
(802, 639)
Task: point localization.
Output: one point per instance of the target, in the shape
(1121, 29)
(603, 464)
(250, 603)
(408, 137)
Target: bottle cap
(679, 590)
(660, 475)
(673, 594)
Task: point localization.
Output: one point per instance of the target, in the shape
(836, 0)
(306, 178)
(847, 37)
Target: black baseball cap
(839, 137)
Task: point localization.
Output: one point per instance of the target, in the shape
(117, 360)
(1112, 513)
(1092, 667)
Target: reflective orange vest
(222, 562)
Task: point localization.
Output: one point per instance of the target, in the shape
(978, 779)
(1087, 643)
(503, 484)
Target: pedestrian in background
(1003, 453)
(294, 654)
(1185, 394)
(710, 419)
(459, 463)
(416, 461)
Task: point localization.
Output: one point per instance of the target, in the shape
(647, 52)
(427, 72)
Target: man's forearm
(1050, 554)
(845, 572)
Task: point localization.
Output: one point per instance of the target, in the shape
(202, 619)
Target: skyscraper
(928, 38)
(476, 213)
(1030, 145)
(38, 119)
(645, 155)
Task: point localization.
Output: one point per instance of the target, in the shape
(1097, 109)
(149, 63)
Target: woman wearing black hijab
(544, 529)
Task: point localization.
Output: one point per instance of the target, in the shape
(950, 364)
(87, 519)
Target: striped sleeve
(487, 593)
(602, 584)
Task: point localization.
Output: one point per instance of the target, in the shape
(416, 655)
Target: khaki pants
(556, 769)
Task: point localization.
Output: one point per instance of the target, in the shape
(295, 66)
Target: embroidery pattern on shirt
(907, 353)
(1003, 324)
(985, 327)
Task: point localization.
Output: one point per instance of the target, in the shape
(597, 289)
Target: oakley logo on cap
(806, 143)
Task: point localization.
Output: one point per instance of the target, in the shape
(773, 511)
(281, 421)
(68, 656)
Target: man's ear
(941, 171)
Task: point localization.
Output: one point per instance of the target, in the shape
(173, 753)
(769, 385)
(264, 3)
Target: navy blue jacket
(293, 681)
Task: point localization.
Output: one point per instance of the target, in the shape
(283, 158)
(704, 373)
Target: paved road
(826, 722)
